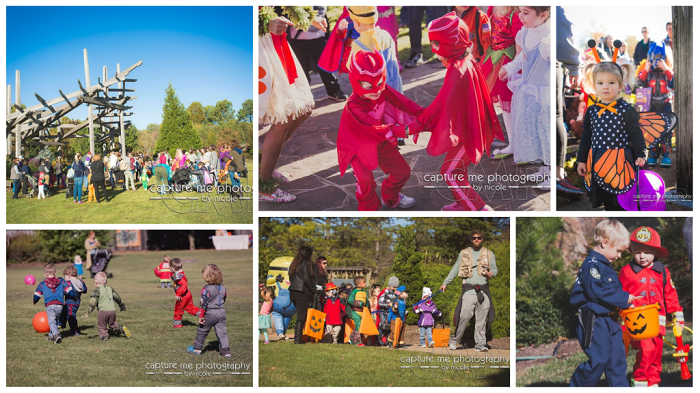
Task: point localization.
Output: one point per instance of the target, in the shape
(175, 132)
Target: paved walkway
(309, 160)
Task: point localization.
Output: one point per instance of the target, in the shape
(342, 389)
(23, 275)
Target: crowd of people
(86, 175)
(606, 119)
(345, 306)
(493, 55)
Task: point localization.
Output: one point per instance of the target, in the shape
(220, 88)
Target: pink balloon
(29, 279)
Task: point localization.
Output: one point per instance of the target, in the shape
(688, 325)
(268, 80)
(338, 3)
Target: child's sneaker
(49, 338)
(76, 334)
(405, 202)
(666, 162)
(177, 326)
(281, 337)
(266, 342)
(228, 355)
(278, 175)
(431, 344)
(105, 338)
(423, 346)
(57, 339)
(193, 351)
(278, 196)
(652, 161)
(126, 332)
(481, 349)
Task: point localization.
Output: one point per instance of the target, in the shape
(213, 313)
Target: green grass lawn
(129, 207)
(286, 364)
(88, 361)
(558, 372)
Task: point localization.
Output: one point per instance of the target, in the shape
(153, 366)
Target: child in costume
(372, 38)
(648, 279)
(462, 119)
(53, 289)
(656, 72)
(398, 311)
(505, 25)
(374, 292)
(531, 99)
(41, 186)
(213, 313)
(182, 294)
(164, 272)
(387, 22)
(597, 294)
(479, 29)
(612, 142)
(386, 299)
(103, 298)
(268, 296)
(78, 265)
(144, 178)
(70, 310)
(357, 300)
(373, 118)
(334, 310)
(284, 96)
(428, 313)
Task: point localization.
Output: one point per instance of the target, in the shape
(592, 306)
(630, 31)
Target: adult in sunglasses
(474, 265)
(642, 48)
(321, 280)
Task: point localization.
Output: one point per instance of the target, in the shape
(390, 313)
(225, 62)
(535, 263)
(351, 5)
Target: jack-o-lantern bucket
(642, 322)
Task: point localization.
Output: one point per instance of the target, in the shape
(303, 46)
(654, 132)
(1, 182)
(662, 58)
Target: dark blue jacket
(79, 169)
(74, 299)
(597, 287)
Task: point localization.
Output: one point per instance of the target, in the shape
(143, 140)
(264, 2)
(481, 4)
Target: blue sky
(206, 52)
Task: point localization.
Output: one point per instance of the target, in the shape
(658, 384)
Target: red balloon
(40, 322)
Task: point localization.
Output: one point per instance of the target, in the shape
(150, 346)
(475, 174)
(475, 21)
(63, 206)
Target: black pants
(308, 53)
(302, 302)
(98, 184)
(25, 185)
(415, 24)
(561, 127)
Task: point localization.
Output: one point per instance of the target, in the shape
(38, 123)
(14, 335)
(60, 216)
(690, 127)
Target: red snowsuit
(164, 272)
(362, 143)
(649, 283)
(185, 302)
(335, 310)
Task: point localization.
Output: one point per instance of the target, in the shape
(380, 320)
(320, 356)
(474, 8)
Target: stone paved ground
(309, 159)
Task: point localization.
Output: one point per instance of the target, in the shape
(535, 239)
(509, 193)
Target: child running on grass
(53, 289)
(213, 314)
(103, 298)
(70, 311)
(182, 294)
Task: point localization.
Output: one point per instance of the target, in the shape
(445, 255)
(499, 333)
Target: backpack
(124, 165)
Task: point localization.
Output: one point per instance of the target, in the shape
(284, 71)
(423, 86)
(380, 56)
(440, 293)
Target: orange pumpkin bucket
(642, 322)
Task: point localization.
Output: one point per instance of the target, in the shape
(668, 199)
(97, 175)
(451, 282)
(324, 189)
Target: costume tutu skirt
(490, 66)
(531, 112)
(264, 321)
(280, 101)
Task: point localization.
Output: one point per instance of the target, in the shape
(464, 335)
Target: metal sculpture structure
(104, 110)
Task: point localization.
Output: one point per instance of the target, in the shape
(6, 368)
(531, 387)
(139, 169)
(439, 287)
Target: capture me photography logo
(238, 198)
(179, 368)
(449, 177)
(442, 363)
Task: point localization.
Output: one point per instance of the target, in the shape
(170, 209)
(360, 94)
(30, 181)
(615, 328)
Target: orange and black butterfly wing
(656, 125)
(589, 167)
(612, 171)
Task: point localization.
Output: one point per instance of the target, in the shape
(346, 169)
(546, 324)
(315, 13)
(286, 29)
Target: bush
(22, 248)
(63, 246)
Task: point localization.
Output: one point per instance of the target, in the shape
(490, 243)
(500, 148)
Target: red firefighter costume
(368, 131)
(462, 119)
(478, 30)
(649, 283)
(185, 302)
(164, 272)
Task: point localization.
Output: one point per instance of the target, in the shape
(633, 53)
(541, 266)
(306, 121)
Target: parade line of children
(599, 293)
(344, 308)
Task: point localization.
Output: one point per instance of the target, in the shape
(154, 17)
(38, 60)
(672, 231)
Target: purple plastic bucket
(651, 194)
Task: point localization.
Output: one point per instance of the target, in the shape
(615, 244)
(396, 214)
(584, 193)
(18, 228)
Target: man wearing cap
(650, 282)
(474, 265)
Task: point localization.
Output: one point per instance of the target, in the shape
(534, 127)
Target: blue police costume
(598, 290)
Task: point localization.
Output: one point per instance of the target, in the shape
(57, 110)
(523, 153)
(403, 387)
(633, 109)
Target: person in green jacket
(103, 298)
(358, 299)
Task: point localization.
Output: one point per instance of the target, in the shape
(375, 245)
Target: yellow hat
(365, 15)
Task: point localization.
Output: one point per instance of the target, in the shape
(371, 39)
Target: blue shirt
(597, 287)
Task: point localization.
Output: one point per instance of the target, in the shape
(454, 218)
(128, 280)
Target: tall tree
(407, 264)
(196, 111)
(176, 131)
(245, 114)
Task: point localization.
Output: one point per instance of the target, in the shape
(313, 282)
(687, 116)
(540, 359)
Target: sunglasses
(644, 31)
(476, 238)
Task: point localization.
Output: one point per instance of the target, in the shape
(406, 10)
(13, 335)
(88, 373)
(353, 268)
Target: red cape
(358, 139)
(462, 112)
(338, 48)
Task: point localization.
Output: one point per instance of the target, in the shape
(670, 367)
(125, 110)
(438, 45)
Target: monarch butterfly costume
(614, 136)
